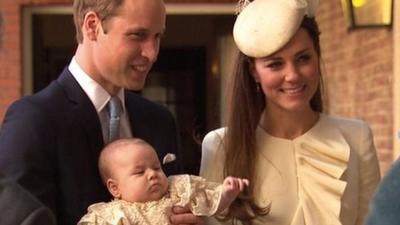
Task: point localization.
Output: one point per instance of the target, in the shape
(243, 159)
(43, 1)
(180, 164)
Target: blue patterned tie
(114, 108)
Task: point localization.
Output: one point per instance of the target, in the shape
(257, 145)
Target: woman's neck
(288, 125)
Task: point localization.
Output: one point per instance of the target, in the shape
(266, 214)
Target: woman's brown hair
(246, 105)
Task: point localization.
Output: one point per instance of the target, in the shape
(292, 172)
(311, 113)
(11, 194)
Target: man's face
(127, 44)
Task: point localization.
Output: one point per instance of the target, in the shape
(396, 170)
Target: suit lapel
(82, 113)
(130, 107)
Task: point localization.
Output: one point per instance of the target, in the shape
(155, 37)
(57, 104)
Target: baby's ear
(112, 186)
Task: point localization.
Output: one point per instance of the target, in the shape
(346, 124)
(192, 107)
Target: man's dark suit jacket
(19, 207)
(50, 143)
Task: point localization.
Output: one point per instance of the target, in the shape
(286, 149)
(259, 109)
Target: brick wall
(10, 71)
(358, 75)
(10, 54)
(358, 67)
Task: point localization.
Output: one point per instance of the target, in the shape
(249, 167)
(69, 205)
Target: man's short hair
(103, 8)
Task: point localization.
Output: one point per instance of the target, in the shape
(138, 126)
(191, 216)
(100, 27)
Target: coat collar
(82, 112)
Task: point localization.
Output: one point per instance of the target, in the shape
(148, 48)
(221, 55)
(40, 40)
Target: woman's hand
(183, 216)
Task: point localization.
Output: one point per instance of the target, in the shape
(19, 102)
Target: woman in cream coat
(304, 167)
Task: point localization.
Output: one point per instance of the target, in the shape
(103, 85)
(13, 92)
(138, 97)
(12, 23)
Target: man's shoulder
(54, 97)
(47, 100)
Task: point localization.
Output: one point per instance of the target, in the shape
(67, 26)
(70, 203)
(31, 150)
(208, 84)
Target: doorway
(183, 78)
(177, 81)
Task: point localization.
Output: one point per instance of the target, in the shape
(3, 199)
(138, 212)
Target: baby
(143, 194)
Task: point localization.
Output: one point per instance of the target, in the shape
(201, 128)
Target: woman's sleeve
(212, 158)
(212, 162)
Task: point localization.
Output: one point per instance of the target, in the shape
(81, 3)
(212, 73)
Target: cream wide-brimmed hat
(264, 26)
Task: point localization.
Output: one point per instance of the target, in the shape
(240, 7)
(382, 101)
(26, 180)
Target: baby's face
(139, 175)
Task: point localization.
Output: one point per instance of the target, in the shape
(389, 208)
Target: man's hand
(183, 216)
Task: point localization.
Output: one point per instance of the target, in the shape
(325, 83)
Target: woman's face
(290, 77)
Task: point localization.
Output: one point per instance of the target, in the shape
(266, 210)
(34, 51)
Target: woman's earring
(258, 87)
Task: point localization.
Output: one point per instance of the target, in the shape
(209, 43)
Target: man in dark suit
(18, 206)
(50, 142)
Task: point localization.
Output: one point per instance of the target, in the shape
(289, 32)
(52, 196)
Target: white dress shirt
(100, 97)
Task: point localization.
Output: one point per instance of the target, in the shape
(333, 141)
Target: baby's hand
(235, 185)
(232, 186)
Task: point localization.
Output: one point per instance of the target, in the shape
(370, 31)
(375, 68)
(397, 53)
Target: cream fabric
(324, 177)
(265, 26)
(185, 190)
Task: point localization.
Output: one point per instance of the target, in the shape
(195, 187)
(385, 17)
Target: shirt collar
(96, 93)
